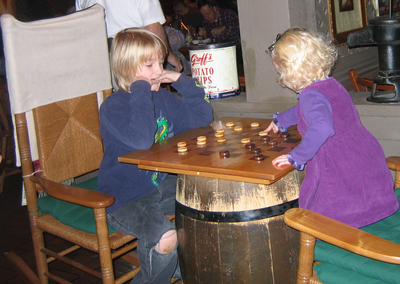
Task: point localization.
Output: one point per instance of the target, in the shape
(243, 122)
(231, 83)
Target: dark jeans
(145, 219)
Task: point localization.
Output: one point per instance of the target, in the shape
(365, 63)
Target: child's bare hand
(281, 161)
(272, 127)
(169, 76)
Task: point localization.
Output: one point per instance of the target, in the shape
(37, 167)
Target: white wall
(260, 22)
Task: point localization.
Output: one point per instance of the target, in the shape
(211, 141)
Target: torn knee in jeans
(167, 243)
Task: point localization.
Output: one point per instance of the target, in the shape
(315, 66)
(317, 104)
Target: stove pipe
(385, 33)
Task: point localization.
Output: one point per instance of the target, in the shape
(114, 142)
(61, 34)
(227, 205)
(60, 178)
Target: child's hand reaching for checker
(272, 126)
(281, 161)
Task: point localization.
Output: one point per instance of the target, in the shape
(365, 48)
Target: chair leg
(37, 236)
(22, 268)
(306, 258)
(41, 258)
(106, 263)
(353, 75)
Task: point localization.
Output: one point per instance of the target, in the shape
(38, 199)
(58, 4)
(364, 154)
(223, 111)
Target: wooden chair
(59, 68)
(5, 134)
(242, 84)
(314, 226)
(7, 143)
(23, 269)
(365, 85)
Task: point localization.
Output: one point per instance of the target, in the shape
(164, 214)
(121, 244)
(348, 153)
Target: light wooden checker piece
(182, 149)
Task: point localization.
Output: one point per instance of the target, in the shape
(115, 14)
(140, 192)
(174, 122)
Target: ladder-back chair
(58, 72)
(344, 254)
(365, 85)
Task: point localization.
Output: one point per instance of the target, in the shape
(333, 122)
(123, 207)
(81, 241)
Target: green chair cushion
(331, 274)
(76, 216)
(341, 266)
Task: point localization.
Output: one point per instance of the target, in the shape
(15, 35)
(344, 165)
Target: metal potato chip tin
(214, 65)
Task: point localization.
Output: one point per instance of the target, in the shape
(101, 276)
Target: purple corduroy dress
(347, 178)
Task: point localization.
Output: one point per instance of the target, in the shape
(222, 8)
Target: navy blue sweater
(136, 120)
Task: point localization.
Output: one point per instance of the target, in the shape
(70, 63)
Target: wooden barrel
(233, 232)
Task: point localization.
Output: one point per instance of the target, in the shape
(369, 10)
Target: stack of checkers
(182, 147)
(219, 134)
(201, 141)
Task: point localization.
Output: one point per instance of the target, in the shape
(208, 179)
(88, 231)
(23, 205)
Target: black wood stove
(385, 33)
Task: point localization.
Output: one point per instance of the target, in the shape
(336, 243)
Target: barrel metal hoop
(236, 216)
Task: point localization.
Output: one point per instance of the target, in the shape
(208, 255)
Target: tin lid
(211, 45)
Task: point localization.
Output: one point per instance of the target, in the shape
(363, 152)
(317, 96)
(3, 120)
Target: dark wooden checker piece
(285, 135)
(259, 157)
(256, 150)
(265, 138)
(224, 154)
(250, 145)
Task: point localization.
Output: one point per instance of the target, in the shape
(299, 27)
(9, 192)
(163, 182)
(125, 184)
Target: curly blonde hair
(130, 49)
(302, 57)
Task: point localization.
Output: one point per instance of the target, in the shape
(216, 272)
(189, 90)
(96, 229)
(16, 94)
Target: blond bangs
(130, 49)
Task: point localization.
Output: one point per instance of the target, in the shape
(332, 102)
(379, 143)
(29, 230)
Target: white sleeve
(122, 14)
(83, 4)
(151, 12)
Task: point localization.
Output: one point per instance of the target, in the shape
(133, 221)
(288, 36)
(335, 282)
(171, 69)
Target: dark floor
(15, 236)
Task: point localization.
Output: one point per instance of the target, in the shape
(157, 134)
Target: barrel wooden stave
(263, 251)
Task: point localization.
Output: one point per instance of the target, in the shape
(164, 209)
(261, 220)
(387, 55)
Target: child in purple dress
(347, 178)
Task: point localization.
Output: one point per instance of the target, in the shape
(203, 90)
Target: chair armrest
(342, 235)
(73, 194)
(393, 163)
